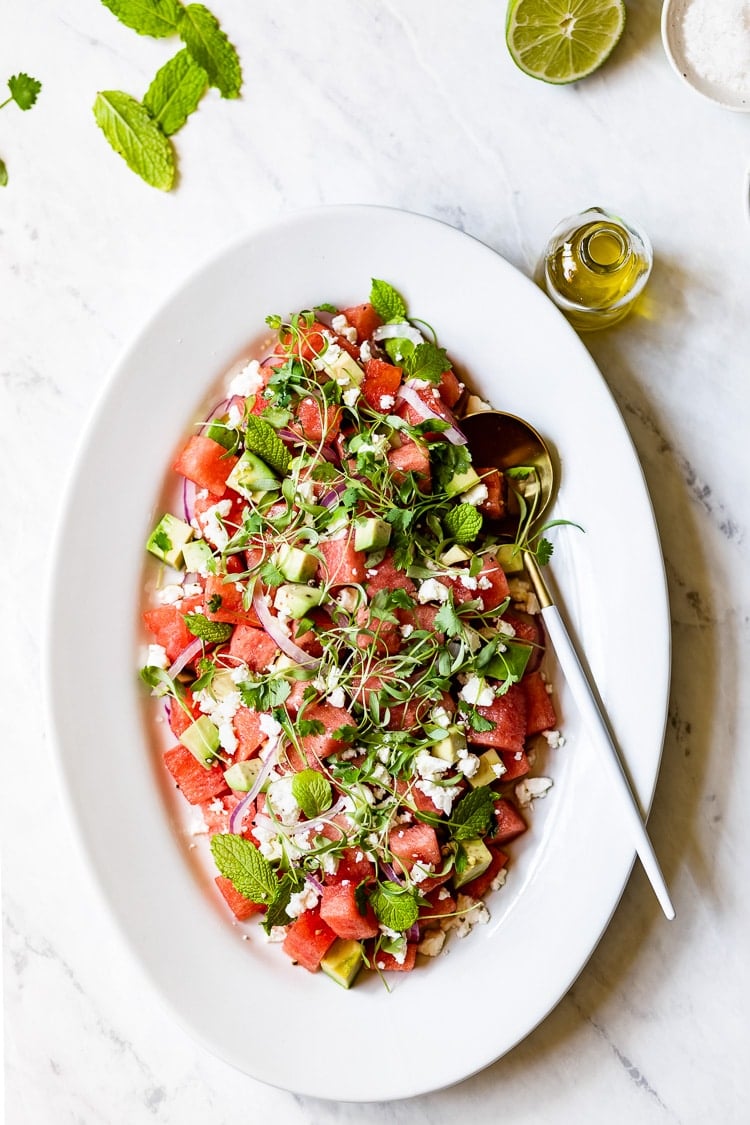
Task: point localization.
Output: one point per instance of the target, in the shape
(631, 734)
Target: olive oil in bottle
(595, 267)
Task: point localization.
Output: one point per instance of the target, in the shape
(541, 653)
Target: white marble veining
(412, 103)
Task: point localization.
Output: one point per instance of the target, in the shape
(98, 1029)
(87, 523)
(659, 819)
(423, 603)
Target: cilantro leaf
(175, 92)
(478, 722)
(212, 632)
(262, 695)
(161, 540)
(240, 861)
(307, 727)
(24, 90)
(214, 603)
(3, 174)
(427, 361)
(387, 302)
(276, 915)
(270, 574)
(395, 906)
(544, 551)
(262, 439)
(473, 813)
(312, 792)
(464, 523)
(200, 32)
(156, 18)
(132, 132)
(447, 621)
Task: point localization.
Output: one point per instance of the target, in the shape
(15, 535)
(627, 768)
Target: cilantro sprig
(24, 91)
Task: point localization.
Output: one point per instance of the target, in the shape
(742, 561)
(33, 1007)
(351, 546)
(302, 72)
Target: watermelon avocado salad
(348, 660)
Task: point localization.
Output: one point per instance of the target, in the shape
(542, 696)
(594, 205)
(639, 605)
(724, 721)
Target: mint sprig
(312, 792)
(262, 439)
(211, 632)
(133, 133)
(473, 814)
(156, 18)
(463, 523)
(175, 92)
(200, 32)
(240, 861)
(395, 906)
(387, 302)
(427, 361)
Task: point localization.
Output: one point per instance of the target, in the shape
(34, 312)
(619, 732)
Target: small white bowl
(672, 14)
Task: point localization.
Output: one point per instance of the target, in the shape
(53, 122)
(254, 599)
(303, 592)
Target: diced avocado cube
(168, 538)
(218, 431)
(202, 740)
(485, 775)
(456, 554)
(344, 370)
(295, 600)
(296, 565)
(251, 475)
(462, 482)
(296, 671)
(370, 534)
(343, 961)
(222, 684)
(448, 748)
(510, 558)
(243, 775)
(474, 857)
(198, 557)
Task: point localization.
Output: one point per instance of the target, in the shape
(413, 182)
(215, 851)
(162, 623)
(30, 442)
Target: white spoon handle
(593, 717)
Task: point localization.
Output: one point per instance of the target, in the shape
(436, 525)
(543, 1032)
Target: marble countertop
(414, 104)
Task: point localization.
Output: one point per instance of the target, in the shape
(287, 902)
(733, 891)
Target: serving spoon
(503, 441)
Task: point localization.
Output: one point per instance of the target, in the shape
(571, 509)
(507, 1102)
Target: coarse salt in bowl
(708, 44)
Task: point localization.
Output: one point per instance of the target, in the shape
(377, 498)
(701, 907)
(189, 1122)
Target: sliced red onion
(188, 499)
(239, 812)
(390, 874)
(185, 657)
(331, 497)
(401, 331)
(272, 627)
(408, 394)
(412, 934)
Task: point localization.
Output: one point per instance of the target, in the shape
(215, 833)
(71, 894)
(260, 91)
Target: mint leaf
(464, 523)
(212, 632)
(200, 32)
(312, 792)
(395, 906)
(427, 361)
(24, 90)
(132, 132)
(276, 915)
(387, 302)
(473, 814)
(156, 18)
(240, 861)
(175, 93)
(3, 174)
(262, 439)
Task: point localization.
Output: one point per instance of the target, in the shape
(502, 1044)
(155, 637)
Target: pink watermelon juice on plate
(349, 662)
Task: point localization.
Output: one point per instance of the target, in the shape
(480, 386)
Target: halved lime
(562, 40)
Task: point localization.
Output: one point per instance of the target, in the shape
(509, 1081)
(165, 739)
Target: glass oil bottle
(594, 268)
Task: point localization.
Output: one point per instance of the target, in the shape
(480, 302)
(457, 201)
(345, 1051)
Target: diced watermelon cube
(197, 783)
(254, 647)
(387, 963)
(241, 907)
(388, 576)
(246, 723)
(342, 565)
(478, 887)
(508, 714)
(307, 343)
(179, 718)
(227, 601)
(381, 379)
(218, 810)
(308, 939)
(516, 764)
(540, 714)
(439, 903)
(364, 319)
(510, 823)
(353, 866)
(492, 585)
(494, 481)
(415, 844)
(450, 388)
(338, 907)
(410, 458)
(332, 718)
(385, 636)
(206, 463)
(166, 624)
(318, 423)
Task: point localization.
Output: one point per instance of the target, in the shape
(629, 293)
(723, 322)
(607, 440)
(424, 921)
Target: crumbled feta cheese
(337, 697)
(269, 726)
(227, 738)
(432, 943)
(442, 796)
(418, 384)
(380, 773)
(505, 628)
(443, 894)
(499, 880)
(429, 766)
(365, 351)
(484, 583)
(240, 673)
(406, 630)
(531, 789)
(192, 590)
(248, 381)
(468, 765)
(235, 416)
(499, 769)
(476, 495)
(306, 899)
(476, 405)
(169, 595)
(350, 395)
(477, 691)
(467, 581)
(157, 657)
(283, 801)
(197, 826)
(432, 591)
(330, 353)
(276, 933)
(471, 912)
(554, 739)
(213, 528)
(440, 716)
(421, 871)
(387, 402)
